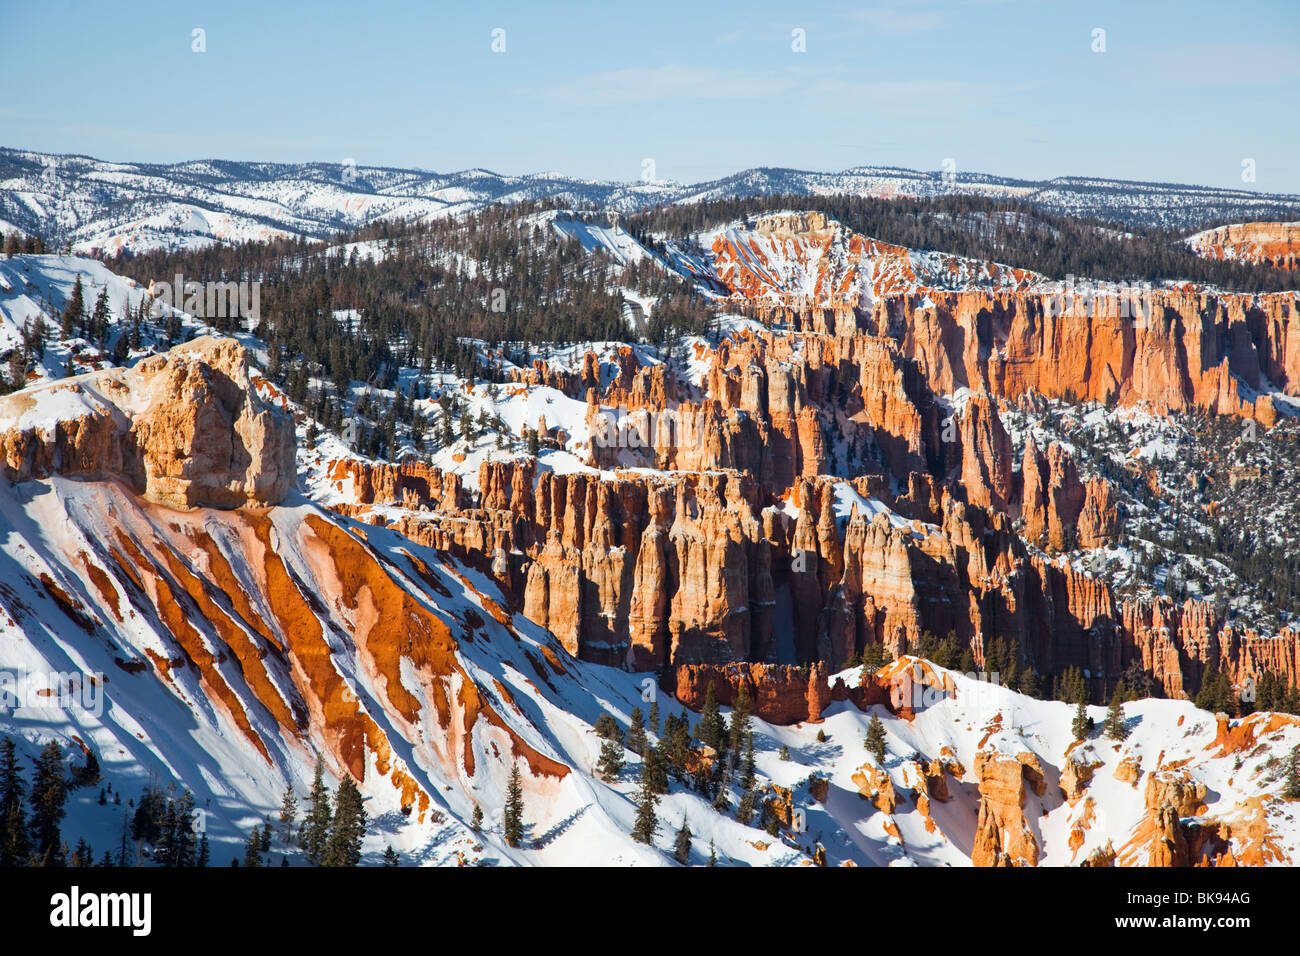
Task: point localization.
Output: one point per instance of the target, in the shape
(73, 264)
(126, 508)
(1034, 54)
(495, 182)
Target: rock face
(1002, 833)
(647, 571)
(185, 429)
(763, 539)
(1275, 244)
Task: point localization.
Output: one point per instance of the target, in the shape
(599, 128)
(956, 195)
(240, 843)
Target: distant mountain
(98, 205)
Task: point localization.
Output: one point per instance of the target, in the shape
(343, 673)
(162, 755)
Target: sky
(1185, 92)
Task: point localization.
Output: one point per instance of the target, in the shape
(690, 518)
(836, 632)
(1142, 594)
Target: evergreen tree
(740, 712)
(611, 760)
(873, 658)
(607, 727)
(392, 857)
(14, 845)
(1079, 726)
(1115, 728)
(654, 717)
(73, 311)
(49, 792)
(654, 768)
(710, 729)
(713, 855)
(476, 819)
(636, 740)
(643, 830)
(1291, 789)
(348, 828)
(185, 845)
(315, 832)
(82, 855)
(1011, 665)
(288, 814)
(253, 850)
(876, 739)
(514, 810)
(745, 809)
(204, 854)
(98, 325)
(682, 844)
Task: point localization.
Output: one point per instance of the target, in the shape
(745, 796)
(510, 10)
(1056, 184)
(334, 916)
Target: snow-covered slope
(96, 204)
(227, 649)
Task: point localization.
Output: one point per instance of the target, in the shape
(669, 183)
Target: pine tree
(392, 857)
(710, 729)
(654, 717)
(1079, 726)
(14, 845)
(73, 312)
(1115, 728)
(348, 828)
(611, 760)
(253, 850)
(204, 854)
(636, 740)
(1291, 789)
(655, 770)
(643, 830)
(607, 727)
(476, 819)
(83, 855)
(514, 810)
(1011, 665)
(98, 326)
(185, 845)
(745, 809)
(740, 712)
(713, 855)
(266, 835)
(873, 658)
(875, 741)
(315, 831)
(288, 814)
(49, 792)
(682, 845)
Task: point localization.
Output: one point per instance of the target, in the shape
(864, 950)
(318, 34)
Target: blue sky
(1184, 92)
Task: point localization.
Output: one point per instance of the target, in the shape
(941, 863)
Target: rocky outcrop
(1275, 244)
(875, 784)
(185, 429)
(1003, 836)
(780, 694)
(411, 484)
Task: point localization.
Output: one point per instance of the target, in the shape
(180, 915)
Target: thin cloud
(669, 83)
(899, 18)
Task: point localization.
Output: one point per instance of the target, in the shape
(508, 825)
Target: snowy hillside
(94, 204)
(235, 706)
